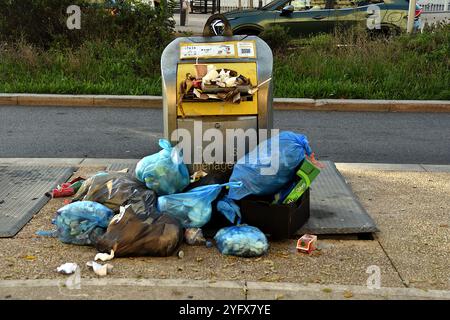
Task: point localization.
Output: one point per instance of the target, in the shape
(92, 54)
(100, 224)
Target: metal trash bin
(249, 56)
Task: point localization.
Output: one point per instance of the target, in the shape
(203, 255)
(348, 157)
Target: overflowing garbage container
(218, 83)
(210, 84)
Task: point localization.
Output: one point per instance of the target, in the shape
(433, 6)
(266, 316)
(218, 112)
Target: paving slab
(412, 210)
(381, 166)
(117, 166)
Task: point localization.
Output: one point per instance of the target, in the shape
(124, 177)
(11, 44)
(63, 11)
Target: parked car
(307, 17)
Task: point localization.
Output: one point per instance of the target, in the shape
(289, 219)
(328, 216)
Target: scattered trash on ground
(100, 269)
(197, 175)
(66, 189)
(348, 294)
(194, 237)
(307, 243)
(150, 214)
(67, 268)
(104, 256)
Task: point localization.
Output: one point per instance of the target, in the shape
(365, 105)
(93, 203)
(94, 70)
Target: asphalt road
(60, 132)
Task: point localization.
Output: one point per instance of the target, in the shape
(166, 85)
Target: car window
(272, 3)
(282, 5)
(303, 5)
(361, 3)
(342, 4)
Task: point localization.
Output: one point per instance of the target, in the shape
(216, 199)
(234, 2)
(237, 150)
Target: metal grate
(22, 193)
(334, 207)
(120, 166)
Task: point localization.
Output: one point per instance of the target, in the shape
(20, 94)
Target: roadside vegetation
(356, 65)
(120, 54)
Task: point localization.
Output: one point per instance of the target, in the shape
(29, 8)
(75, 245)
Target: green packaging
(77, 185)
(307, 173)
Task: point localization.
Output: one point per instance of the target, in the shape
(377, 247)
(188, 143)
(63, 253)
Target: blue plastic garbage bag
(80, 222)
(229, 209)
(164, 172)
(265, 170)
(242, 241)
(193, 208)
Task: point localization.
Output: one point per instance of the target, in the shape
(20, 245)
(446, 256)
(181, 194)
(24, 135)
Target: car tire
(208, 29)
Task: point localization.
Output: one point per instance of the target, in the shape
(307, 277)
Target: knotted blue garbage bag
(193, 208)
(268, 167)
(164, 172)
(81, 222)
(242, 241)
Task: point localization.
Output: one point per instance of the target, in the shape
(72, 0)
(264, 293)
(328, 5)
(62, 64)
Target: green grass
(95, 68)
(326, 66)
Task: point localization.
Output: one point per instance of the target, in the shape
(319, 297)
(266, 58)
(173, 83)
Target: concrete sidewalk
(194, 23)
(408, 202)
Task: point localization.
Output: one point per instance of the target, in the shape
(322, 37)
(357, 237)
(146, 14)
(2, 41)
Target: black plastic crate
(279, 221)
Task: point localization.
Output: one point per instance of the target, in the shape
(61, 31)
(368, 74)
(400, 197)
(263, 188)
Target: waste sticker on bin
(242, 49)
(246, 49)
(207, 50)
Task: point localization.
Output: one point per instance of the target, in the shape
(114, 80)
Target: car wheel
(217, 25)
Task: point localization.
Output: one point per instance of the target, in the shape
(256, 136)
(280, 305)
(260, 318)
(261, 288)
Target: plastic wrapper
(194, 237)
(116, 189)
(214, 177)
(80, 223)
(193, 209)
(164, 172)
(250, 170)
(127, 235)
(242, 241)
(229, 209)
